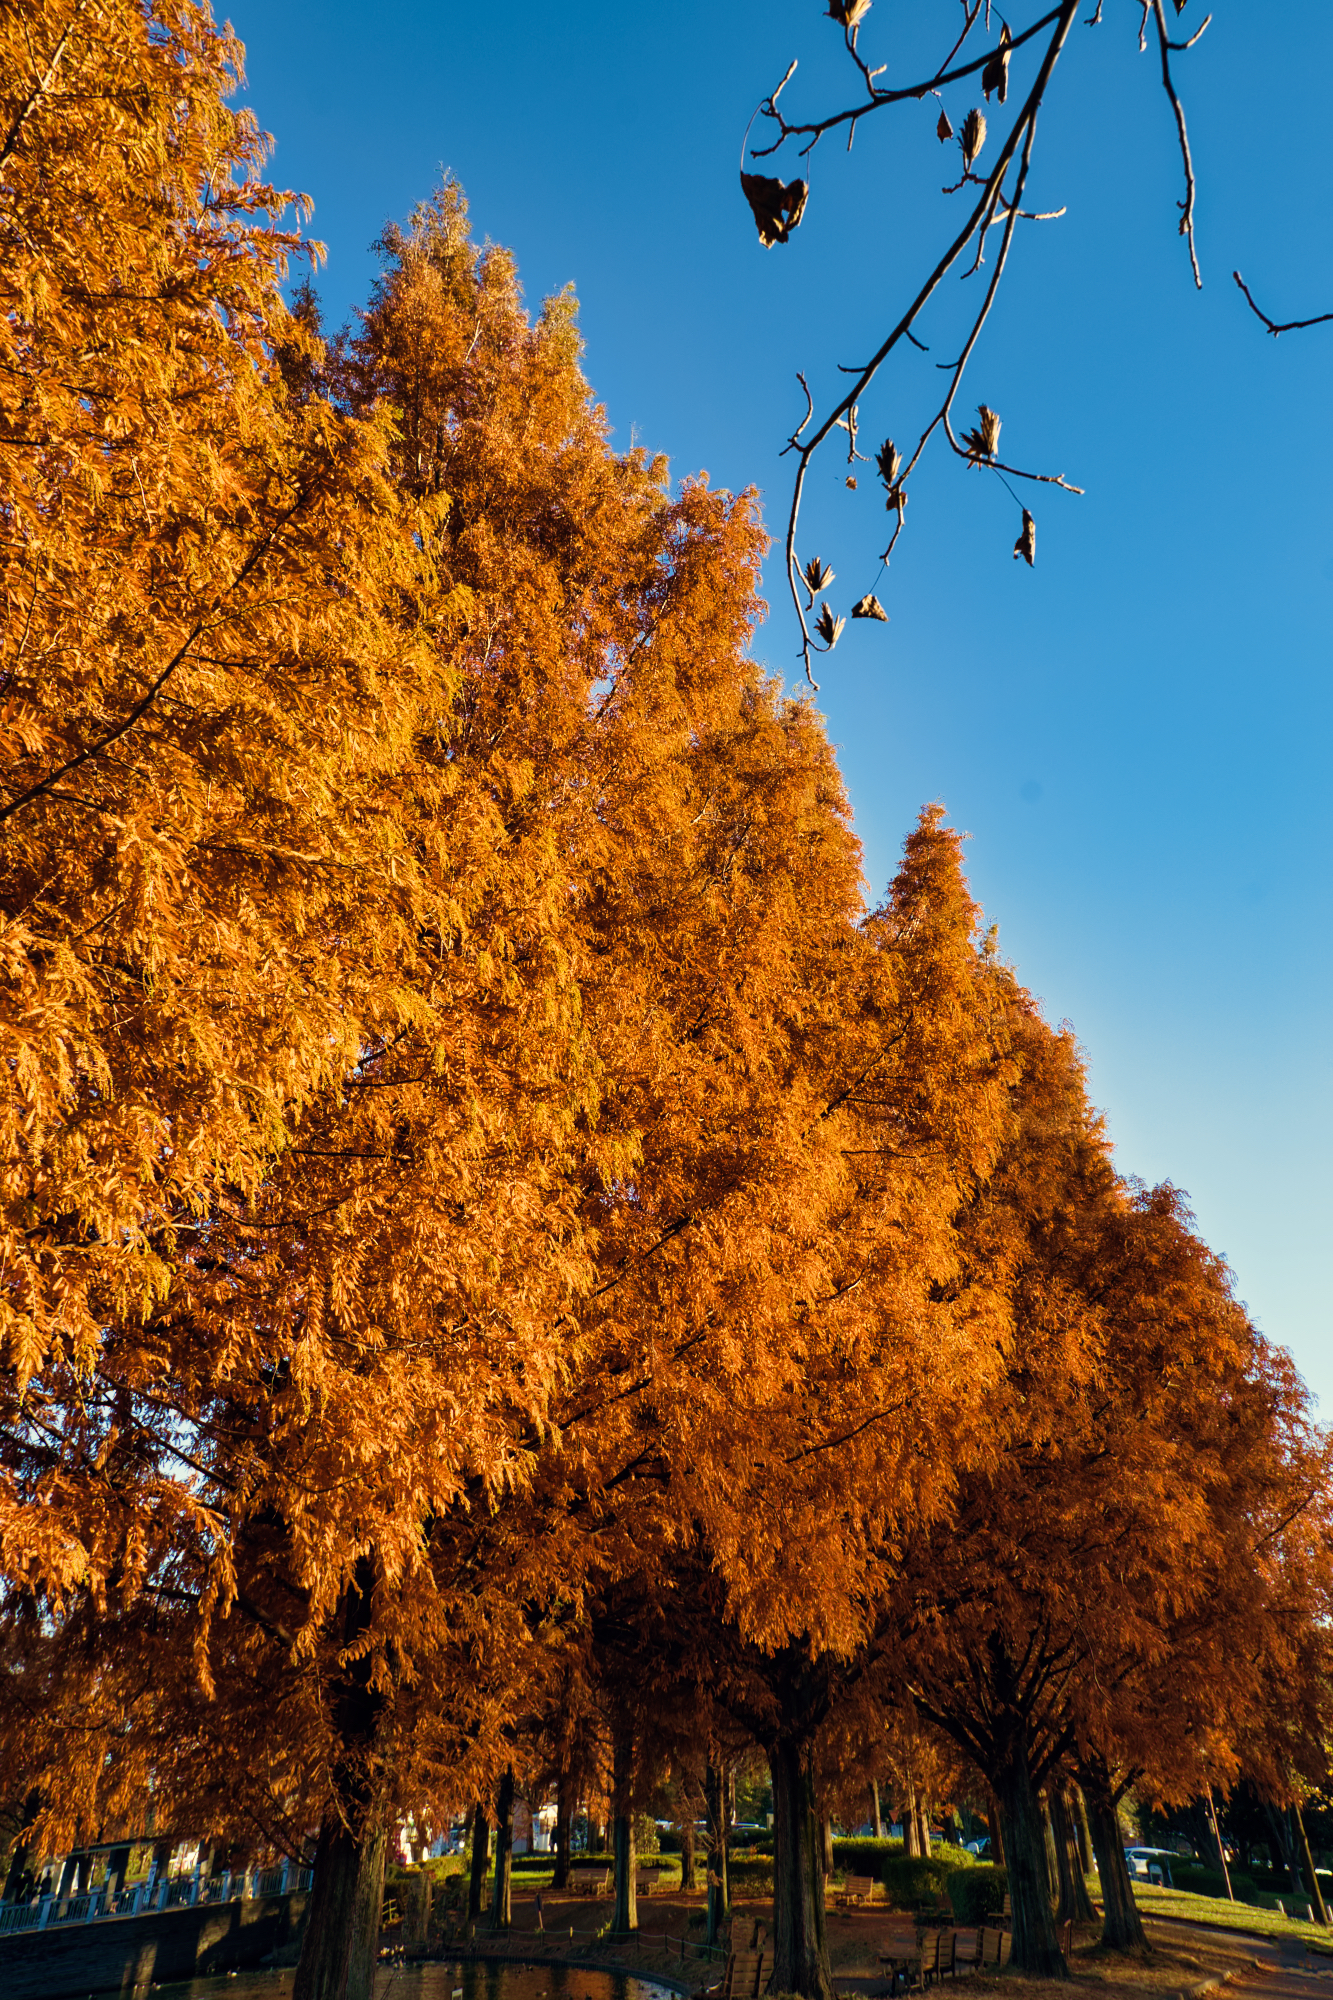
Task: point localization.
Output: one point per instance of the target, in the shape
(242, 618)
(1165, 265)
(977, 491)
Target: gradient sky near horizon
(1135, 734)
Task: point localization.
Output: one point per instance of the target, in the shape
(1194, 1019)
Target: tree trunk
(1307, 1862)
(719, 1887)
(997, 1848)
(1036, 1946)
(1280, 1846)
(1053, 1878)
(923, 1828)
(501, 1901)
(687, 1857)
(564, 1826)
(481, 1850)
(626, 1915)
(1075, 1901)
(338, 1949)
(1122, 1927)
(826, 1834)
(1082, 1830)
(911, 1832)
(877, 1816)
(342, 1926)
(800, 1948)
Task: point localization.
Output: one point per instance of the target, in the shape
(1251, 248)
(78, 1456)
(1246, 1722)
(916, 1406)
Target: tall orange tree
(196, 712)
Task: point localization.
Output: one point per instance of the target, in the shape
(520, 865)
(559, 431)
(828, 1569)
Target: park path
(1286, 1967)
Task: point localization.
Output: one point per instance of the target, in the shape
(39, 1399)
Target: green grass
(1216, 1910)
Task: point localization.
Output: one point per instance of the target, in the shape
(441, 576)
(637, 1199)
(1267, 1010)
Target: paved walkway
(1287, 1968)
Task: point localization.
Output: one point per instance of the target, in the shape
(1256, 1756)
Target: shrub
(864, 1857)
(1202, 1881)
(915, 1883)
(750, 1876)
(978, 1892)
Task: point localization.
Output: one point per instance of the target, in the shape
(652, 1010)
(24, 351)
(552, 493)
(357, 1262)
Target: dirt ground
(1181, 1957)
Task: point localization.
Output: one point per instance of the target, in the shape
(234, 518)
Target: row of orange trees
(494, 1229)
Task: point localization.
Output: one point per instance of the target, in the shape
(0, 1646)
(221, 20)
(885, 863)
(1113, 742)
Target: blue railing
(175, 1893)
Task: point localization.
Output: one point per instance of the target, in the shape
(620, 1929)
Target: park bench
(647, 1881)
(859, 1889)
(994, 1947)
(589, 1881)
(965, 1945)
(743, 1979)
(901, 1953)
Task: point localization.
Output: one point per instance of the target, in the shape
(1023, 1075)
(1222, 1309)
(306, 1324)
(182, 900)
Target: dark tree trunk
(877, 1816)
(923, 1828)
(687, 1857)
(1281, 1849)
(719, 1886)
(1053, 1884)
(501, 1910)
(339, 1946)
(826, 1834)
(1075, 1901)
(626, 1917)
(997, 1847)
(911, 1832)
(1081, 1828)
(1122, 1927)
(800, 1948)
(1307, 1864)
(564, 1827)
(342, 1925)
(481, 1844)
(1036, 1947)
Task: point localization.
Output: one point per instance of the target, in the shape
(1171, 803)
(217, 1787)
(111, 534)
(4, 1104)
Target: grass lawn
(1155, 1902)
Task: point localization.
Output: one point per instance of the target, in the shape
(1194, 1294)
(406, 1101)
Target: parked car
(1151, 1864)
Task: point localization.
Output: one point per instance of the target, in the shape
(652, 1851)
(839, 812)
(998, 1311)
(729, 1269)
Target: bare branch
(1285, 326)
(1186, 206)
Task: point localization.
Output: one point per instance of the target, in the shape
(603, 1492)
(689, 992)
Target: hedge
(977, 1893)
(750, 1876)
(864, 1857)
(915, 1883)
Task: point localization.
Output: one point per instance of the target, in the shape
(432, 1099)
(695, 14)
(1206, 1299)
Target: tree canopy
(511, 1264)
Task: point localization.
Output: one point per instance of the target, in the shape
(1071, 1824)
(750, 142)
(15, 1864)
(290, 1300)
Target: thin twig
(1186, 206)
(1274, 327)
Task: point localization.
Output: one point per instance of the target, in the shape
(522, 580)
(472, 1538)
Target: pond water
(477, 1979)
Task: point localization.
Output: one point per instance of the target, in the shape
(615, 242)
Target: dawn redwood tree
(798, 1364)
(1145, 1440)
(198, 710)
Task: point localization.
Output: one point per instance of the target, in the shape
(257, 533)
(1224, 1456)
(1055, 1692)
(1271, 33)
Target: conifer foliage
(512, 1274)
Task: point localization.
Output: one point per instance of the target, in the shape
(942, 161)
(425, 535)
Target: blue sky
(1135, 734)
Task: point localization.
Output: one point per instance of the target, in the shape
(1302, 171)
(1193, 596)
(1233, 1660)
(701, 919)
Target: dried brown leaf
(995, 76)
(943, 130)
(828, 627)
(889, 461)
(1026, 545)
(973, 136)
(777, 206)
(869, 606)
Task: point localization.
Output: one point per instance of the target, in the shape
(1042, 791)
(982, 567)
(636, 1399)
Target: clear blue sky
(1136, 735)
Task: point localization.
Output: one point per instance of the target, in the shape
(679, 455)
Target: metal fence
(177, 1892)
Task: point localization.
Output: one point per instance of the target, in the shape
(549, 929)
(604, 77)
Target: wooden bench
(859, 1889)
(743, 1979)
(901, 1952)
(589, 1881)
(647, 1881)
(965, 1945)
(994, 1947)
